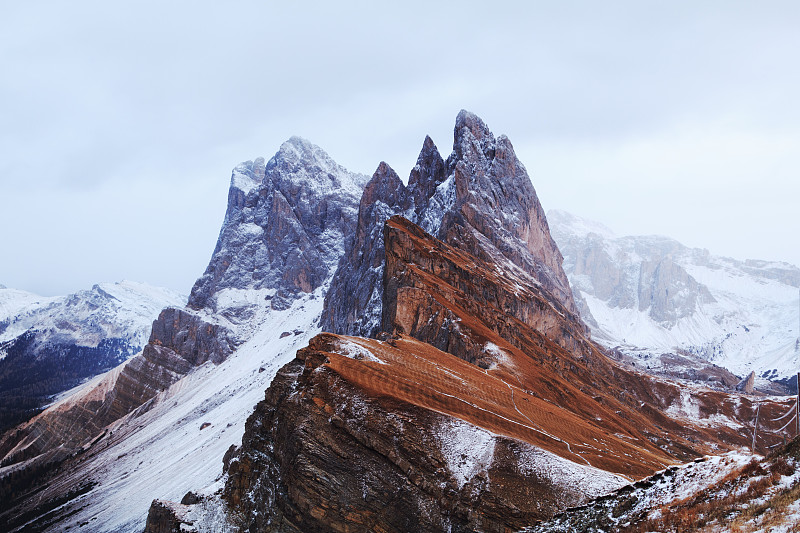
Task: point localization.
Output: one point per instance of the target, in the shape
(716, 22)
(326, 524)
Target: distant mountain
(675, 309)
(51, 344)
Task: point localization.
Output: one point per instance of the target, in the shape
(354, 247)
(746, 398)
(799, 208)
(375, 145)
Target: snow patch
(467, 449)
(356, 351)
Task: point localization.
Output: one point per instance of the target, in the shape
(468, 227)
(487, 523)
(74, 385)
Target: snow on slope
(164, 453)
(650, 295)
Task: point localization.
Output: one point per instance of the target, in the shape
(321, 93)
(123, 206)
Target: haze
(121, 121)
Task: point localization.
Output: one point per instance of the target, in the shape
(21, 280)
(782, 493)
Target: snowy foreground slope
(170, 450)
(651, 295)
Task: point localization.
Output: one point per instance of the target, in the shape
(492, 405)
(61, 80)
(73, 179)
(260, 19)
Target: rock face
(425, 278)
(480, 200)
(284, 228)
(414, 469)
(659, 302)
(746, 385)
(353, 303)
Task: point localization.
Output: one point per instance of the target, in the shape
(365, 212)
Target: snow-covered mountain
(50, 344)
(473, 399)
(668, 304)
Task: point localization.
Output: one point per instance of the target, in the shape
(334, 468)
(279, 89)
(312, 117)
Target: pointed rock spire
(353, 303)
(427, 175)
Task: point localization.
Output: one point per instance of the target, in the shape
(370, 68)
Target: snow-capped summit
(283, 232)
(651, 295)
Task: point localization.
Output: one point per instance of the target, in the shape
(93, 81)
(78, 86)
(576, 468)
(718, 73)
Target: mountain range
(366, 355)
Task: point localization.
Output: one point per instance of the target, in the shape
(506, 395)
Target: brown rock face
(321, 454)
(439, 294)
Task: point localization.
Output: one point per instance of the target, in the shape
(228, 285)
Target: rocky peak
(284, 229)
(353, 303)
(480, 200)
(384, 186)
(494, 197)
(472, 138)
(426, 176)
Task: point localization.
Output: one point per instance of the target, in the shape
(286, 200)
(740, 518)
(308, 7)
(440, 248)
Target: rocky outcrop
(479, 200)
(446, 297)
(321, 454)
(353, 303)
(284, 229)
(747, 384)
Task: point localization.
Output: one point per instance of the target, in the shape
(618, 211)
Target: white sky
(121, 121)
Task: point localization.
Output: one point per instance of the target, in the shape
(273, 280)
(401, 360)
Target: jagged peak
(470, 130)
(427, 146)
(385, 186)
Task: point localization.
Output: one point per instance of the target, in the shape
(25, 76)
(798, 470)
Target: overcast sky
(120, 121)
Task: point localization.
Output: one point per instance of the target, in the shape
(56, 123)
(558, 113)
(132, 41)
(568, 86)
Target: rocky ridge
(477, 340)
(480, 199)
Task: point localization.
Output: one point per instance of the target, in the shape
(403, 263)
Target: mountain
(51, 344)
(361, 354)
(257, 303)
(676, 310)
(459, 390)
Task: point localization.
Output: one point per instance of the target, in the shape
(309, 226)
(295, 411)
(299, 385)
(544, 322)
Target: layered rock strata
(359, 434)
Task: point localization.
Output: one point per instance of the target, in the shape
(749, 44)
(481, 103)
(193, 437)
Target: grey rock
(747, 384)
(285, 225)
(480, 200)
(353, 303)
